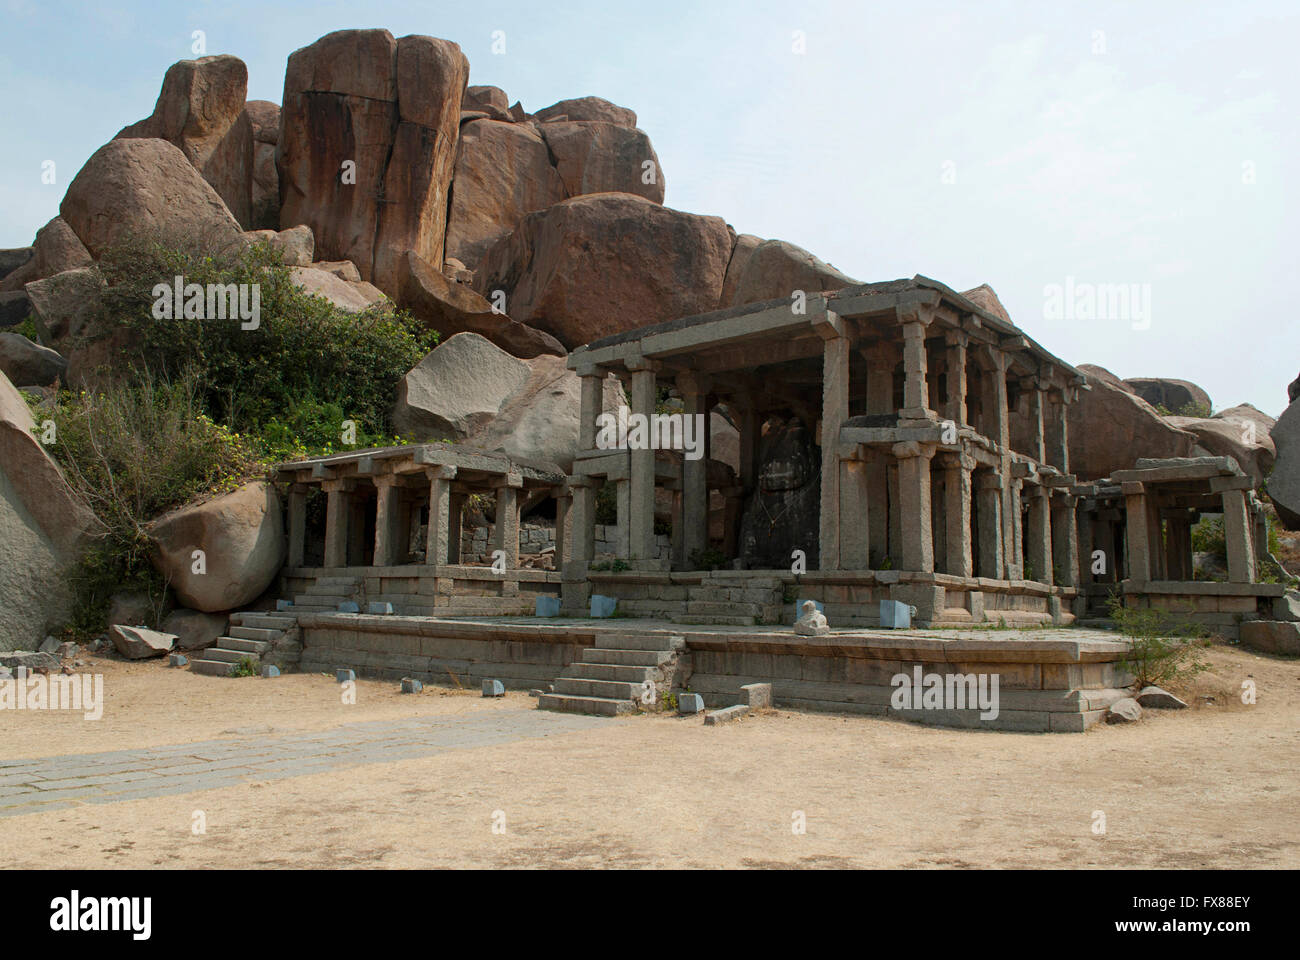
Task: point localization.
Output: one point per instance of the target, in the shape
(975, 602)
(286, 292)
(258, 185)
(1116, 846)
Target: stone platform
(1049, 680)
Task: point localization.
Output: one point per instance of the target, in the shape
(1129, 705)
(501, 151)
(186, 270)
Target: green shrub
(246, 667)
(131, 454)
(1163, 648)
(1207, 537)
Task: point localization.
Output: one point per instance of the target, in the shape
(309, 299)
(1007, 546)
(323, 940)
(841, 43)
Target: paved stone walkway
(38, 784)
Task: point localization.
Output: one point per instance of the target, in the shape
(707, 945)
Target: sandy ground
(1214, 786)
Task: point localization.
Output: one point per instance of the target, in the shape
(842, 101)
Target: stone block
(1158, 699)
(344, 676)
(756, 696)
(602, 606)
(1127, 710)
(411, 685)
(281, 605)
(546, 605)
(895, 615)
(270, 670)
(798, 607)
(349, 606)
(689, 703)
(1271, 636)
(380, 609)
(493, 688)
(177, 660)
(725, 715)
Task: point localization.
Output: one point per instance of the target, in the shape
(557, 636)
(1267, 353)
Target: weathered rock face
(539, 421)
(1245, 412)
(503, 171)
(741, 250)
(456, 389)
(200, 110)
(194, 630)
(1242, 440)
(391, 109)
(589, 109)
(481, 97)
(137, 643)
(783, 512)
(984, 296)
(1174, 395)
(144, 187)
(1110, 427)
(1284, 483)
(451, 308)
(777, 269)
(296, 245)
(28, 364)
(601, 264)
(264, 179)
(64, 304)
(242, 537)
(12, 258)
(43, 529)
(601, 157)
(352, 297)
(55, 250)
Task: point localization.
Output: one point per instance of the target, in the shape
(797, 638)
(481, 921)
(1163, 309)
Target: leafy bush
(291, 381)
(1207, 537)
(132, 454)
(1163, 649)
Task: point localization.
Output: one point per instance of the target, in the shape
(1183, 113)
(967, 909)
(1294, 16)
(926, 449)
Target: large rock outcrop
(1175, 396)
(64, 305)
(144, 187)
(1242, 440)
(367, 147)
(503, 172)
(601, 157)
(1284, 483)
(264, 179)
(451, 308)
(1110, 427)
(55, 250)
(776, 269)
(28, 364)
(242, 538)
(605, 263)
(44, 527)
(593, 109)
(200, 110)
(456, 389)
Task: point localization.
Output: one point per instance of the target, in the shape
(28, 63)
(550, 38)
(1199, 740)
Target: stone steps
(243, 645)
(254, 633)
(212, 668)
(609, 680)
(629, 658)
(263, 621)
(605, 689)
(611, 671)
(717, 620)
(611, 641)
(227, 655)
(600, 706)
(252, 636)
(724, 608)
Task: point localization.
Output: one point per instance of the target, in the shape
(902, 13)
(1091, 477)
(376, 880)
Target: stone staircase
(739, 603)
(619, 675)
(326, 593)
(252, 637)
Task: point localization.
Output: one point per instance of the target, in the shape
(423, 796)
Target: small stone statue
(812, 623)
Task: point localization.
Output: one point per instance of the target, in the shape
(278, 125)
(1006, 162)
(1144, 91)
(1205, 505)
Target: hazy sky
(1019, 144)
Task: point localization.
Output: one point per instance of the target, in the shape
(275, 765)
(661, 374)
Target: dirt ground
(1215, 786)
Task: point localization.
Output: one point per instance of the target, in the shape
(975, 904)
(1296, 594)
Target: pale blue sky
(1013, 143)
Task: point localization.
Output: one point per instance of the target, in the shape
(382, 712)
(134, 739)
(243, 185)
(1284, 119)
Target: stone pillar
(854, 514)
(591, 405)
(1014, 547)
(835, 410)
(444, 518)
(1136, 532)
(297, 509)
(895, 553)
(989, 489)
(915, 391)
(1065, 538)
(955, 407)
(914, 505)
(1039, 547)
(1155, 533)
(1236, 528)
(880, 383)
(622, 517)
(1103, 539)
(357, 532)
(1084, 524)
(388, 512)
(641, 499)
(563, 498)
(677, 538)
(695, 478)
(505, 528)
(582, 524)
(1037, 397)
(338, 512)
(957, 493)
(1058, 437)
(1178, 545)
(877, 481)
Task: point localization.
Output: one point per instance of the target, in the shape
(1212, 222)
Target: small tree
(1163, 649)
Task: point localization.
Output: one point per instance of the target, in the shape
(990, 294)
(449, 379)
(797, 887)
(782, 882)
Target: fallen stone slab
(67, 650)
(756, 696)
(48, 645)
(177, 660)
(138, 643)
(1272, 636)
(28, 660)
(1155, 698)
(411, 685)
(493, 688)
(1126, 710)
(725, 715)
(690, 703)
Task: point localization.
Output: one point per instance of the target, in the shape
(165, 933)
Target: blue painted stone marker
(493, 688)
